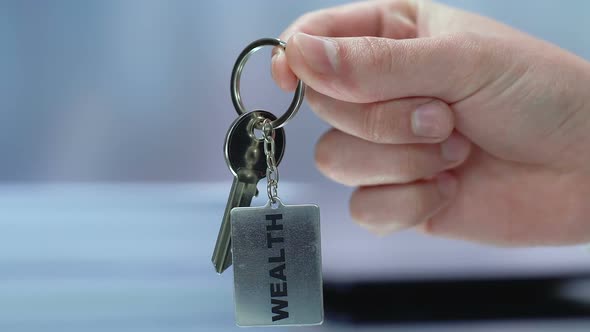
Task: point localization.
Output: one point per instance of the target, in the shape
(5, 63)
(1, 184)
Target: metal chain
(272, 172)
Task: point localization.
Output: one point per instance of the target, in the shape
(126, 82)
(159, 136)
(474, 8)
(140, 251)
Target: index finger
(391, 19)
(370, 18)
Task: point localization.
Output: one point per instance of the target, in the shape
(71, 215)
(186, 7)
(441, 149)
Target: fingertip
(388, 208)
(311, 59)
(365, 218)
(447, 185)
(281, 73)
(456, 148)
(433, 120)
(323, 154)
(357, 213)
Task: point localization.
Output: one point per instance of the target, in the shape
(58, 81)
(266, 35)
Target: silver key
(244, 154)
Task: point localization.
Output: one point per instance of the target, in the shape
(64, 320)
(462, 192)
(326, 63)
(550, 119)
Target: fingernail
(276, 50)
(319, 53)
(276, 57)
(455, 148)
(276, 54)
(447, 184)
(370, 227)
(428, 121)
(381, 230)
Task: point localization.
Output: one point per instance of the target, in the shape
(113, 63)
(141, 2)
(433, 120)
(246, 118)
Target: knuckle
(379, 125)
(363, 52)
(305, 19)
(370, 48)
(407, 165)
(374, 53)
(372, 128)
(472, 48)
(462, 41)
(478, 53)
(311, 21)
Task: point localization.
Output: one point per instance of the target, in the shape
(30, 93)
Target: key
(244, 155)
(277, 246)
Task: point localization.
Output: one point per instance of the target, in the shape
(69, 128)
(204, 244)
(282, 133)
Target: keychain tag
(277, 265)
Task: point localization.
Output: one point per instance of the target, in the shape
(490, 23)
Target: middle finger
(356, 162)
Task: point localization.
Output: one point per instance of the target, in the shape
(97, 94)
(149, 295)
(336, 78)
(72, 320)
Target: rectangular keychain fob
(277, 265)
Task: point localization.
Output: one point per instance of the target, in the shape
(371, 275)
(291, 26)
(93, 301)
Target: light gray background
(139, 89)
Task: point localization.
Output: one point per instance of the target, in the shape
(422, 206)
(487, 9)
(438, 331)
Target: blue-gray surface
(90, 258)
(114, 257)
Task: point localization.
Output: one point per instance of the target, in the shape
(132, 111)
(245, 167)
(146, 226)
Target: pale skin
(446, 121)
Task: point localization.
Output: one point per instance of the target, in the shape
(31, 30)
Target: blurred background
(113, 181)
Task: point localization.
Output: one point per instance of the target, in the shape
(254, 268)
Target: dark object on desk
(458, 300)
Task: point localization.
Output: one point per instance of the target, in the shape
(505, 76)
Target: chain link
(272, 172)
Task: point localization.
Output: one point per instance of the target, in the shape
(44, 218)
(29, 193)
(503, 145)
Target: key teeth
(227, 263)
(220, 268)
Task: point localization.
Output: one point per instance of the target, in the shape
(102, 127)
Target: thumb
(370, 69)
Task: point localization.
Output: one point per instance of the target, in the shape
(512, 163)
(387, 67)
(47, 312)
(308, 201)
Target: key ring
(237, 73)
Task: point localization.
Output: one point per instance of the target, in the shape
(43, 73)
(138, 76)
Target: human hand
(447, 120)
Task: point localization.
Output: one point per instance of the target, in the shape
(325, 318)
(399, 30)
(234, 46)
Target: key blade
(244, 155)
(242, 191)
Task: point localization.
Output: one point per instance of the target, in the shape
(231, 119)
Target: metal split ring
(237, 73)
